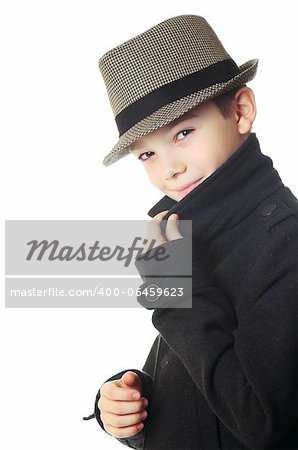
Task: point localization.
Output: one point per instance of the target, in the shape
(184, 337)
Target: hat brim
(172, 111)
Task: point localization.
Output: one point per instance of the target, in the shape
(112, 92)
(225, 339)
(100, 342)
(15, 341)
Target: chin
(174, 197)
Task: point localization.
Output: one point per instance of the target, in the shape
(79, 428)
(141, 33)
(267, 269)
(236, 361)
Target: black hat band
(219, 72)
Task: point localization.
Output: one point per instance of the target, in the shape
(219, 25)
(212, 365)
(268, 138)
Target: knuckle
(105, 384)
(161, 214)
(107, 427)
(104, 388)
(140, 405)
(141, 416)
(103, 418)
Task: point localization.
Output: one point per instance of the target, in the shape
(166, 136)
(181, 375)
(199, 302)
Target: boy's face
(180, 155)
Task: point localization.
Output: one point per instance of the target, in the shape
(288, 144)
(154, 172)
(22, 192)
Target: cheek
(206, 156)
(198, 154)
(154, 176)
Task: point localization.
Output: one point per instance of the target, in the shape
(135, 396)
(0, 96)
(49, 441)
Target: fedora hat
(159, 75)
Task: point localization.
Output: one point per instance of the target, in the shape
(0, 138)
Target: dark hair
(224, 102)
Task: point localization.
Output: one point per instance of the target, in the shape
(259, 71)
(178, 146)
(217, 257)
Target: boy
(222, 374)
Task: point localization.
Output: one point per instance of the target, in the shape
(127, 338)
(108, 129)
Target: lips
(184, 190)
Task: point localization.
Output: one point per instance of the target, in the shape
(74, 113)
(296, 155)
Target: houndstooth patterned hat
(161, 74)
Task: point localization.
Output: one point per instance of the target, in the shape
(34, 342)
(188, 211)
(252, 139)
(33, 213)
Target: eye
(146, 155)
(182, 134)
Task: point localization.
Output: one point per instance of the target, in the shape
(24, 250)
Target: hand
(154, 230)
(120, 412)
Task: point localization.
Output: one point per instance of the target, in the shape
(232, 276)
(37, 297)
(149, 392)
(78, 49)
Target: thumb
(131, 379)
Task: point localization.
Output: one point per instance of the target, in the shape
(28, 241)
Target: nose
(172, 168)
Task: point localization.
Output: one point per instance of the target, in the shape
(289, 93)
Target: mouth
(184, 190)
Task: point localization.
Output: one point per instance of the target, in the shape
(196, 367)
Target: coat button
(152, 292)
(164, 361)
(268, 209)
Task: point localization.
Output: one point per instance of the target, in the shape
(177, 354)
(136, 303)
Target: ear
(245, 109)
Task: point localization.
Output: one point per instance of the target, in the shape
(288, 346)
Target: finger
(124, 432)
(154, 234)
(161, 215)
(125, 420)
(117, 391)
(172, 231)
(120, 407)
(131, 379)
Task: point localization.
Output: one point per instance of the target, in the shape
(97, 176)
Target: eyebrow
(186, 116)
(174, 123)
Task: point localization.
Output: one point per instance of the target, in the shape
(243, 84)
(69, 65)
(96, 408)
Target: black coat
(224, 373)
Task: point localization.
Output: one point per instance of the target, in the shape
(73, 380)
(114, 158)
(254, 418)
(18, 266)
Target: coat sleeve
(246, 367)
(146, 375)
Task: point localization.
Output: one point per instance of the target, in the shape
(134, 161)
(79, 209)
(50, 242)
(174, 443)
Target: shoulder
(272, 250)
(276, 243)
(270, 234)
(278, 212)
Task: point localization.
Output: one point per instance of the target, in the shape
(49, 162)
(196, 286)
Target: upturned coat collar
(230, 194)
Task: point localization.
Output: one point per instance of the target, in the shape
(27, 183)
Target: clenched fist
(122, 407)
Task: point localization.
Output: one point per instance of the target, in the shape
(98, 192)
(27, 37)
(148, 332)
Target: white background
(57, 126)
